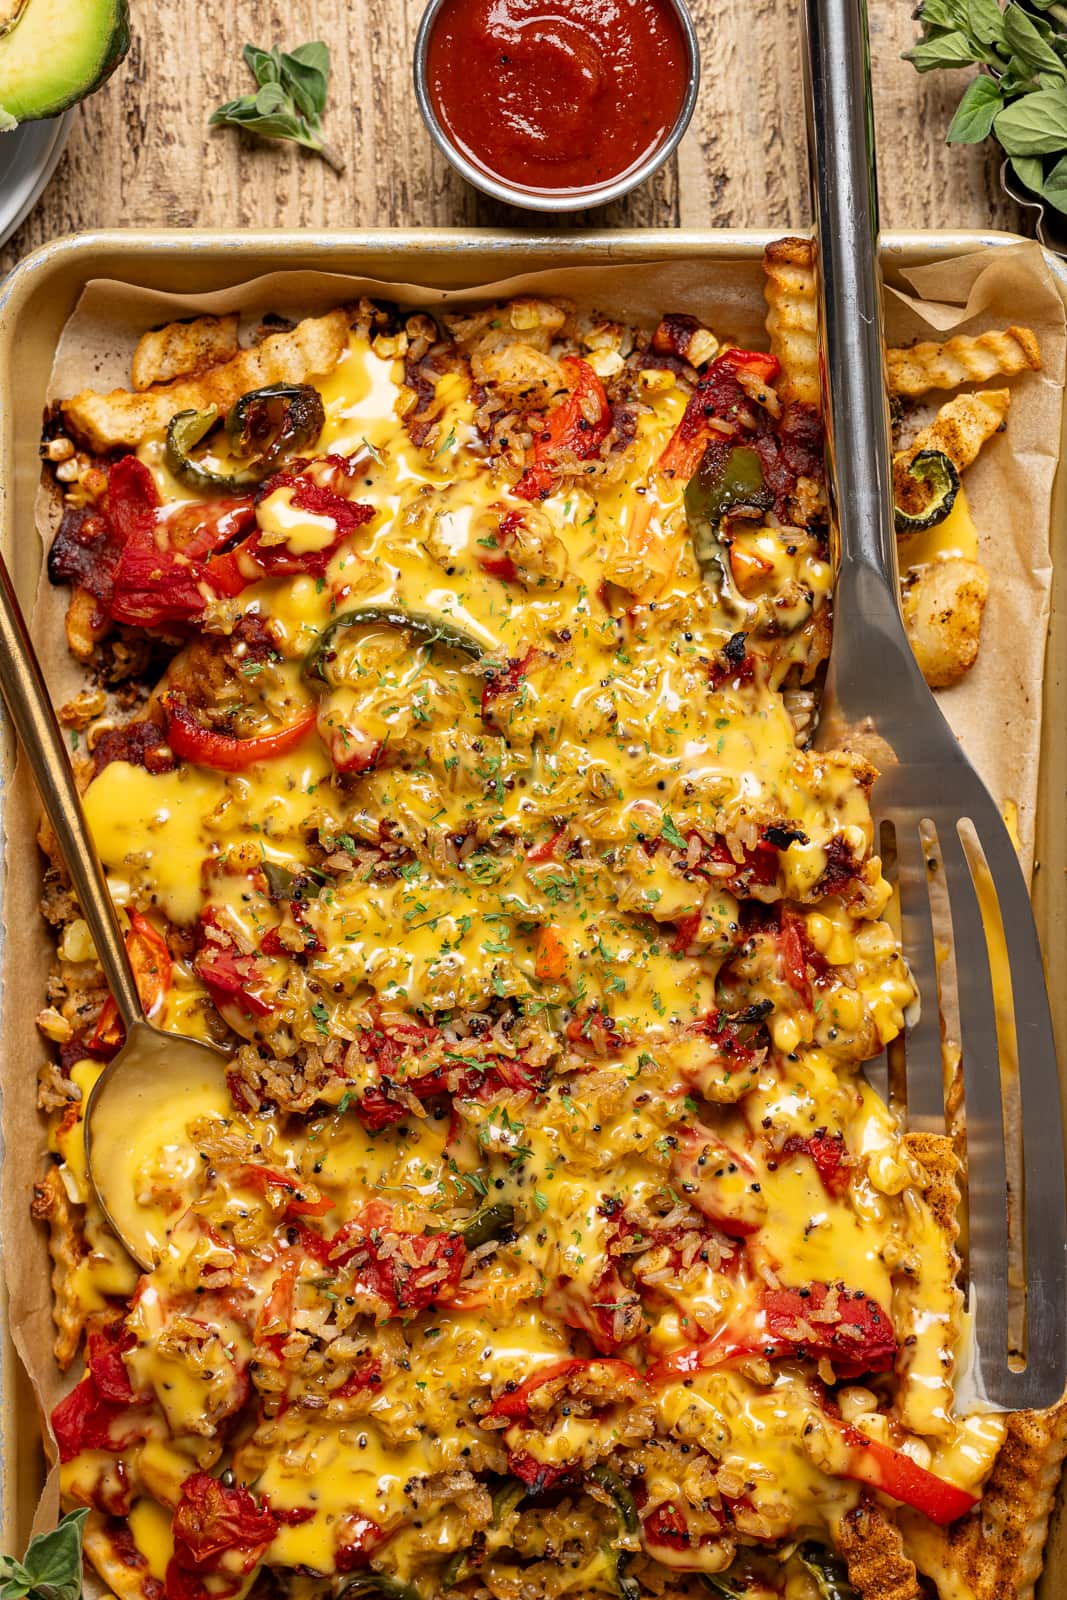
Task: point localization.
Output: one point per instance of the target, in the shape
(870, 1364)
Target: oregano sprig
(1020, 95)
(289, 100)
(51, 1569)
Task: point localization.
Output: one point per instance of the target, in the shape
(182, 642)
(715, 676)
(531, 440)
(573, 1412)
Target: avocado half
(55, 52)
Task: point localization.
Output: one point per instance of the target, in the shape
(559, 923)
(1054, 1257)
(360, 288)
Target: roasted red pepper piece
(191, 741)
(793, 949)
(548, 849)
(897, 1475)
(152, 968)
(496, 561)
(567, 427)
(717, 399)
(105, 1346)
(860, 1341)
(86, 1419)
(401, 1284)
(501, 682)
(159, 576)
(218, 1528)
(231, 977)
(830, 1155)
(252, 560)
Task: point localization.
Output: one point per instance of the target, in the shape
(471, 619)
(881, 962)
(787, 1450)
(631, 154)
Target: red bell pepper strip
(830, 1155)
(567, 428)
(713, 409)
(515, 1403)
(694, 1358)
(252, 560)
(897, 1475)
(861, 1341)
(152, 969)
(230, 975)
(190, 740)
(546, 850)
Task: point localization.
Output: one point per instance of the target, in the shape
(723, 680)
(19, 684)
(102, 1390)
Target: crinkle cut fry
(124, 1575)
(792, 322)
(51, 1204)
(183, 349)
(1000, 353)
(121, 419)
(960, 429)
(941, 1190)
(939, 1163)
(879, 1567)
(999, 1551)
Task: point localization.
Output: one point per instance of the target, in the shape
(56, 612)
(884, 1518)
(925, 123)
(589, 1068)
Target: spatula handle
(845, 191)
(28, 701)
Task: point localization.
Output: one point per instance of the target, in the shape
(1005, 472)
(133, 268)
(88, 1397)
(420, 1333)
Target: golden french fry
(943, 605)
(1000, 1552)
(121, 420)
(1000, 353)
(52, 1205)
(959, 431)
(879, 1566)
(789, 265)
(182, 349)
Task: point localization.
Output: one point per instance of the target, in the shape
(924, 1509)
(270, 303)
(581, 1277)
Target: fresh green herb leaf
(669, 832)
(51, 1569)
(973, 121)
(1027, 38)
(289, 100)
(1036, 125)
(1021, 97)
(943, 50)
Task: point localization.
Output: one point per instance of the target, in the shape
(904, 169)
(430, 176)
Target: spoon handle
(24, 689)
(845, 190)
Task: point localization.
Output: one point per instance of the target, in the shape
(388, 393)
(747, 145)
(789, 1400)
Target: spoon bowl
(136, 1116)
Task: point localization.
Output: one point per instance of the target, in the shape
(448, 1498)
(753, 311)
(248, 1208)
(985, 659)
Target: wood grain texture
(141, 153)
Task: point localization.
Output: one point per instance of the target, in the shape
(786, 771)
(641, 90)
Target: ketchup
(557, 94)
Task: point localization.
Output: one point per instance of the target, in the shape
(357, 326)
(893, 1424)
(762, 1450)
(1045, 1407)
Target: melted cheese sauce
(569, 809)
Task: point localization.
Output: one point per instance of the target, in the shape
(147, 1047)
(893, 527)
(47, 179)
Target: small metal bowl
(547, 199)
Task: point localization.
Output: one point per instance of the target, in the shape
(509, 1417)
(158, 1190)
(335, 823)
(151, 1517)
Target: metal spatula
(929, 805)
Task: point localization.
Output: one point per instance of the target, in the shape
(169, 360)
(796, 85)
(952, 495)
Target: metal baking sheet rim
(204, 260)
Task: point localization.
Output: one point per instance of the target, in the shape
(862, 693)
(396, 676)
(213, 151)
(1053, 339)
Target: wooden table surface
(141, 153)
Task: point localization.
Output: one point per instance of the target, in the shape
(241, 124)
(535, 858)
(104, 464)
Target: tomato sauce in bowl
(557, 98)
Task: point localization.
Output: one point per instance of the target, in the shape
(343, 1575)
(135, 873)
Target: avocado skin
(49, 99)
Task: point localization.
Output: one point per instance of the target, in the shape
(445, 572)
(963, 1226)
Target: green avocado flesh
(55, 52)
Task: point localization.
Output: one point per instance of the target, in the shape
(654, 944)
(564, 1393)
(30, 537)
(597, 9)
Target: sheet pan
(39, 295)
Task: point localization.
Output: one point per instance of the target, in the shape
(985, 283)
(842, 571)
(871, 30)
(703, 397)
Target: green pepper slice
(829, 1572)
(485, 1224)
(377, 1583)
(262, 425)
(934, 468)
(725, 481)
(285, 884)
(488, 1223)
(626, 1587)
(508, 1494)
(723, 1584)
(281, 416)
(427, 630)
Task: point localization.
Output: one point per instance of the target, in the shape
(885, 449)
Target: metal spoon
(152, 1066)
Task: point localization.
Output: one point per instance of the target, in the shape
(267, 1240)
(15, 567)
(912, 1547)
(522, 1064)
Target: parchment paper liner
(996, 711)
